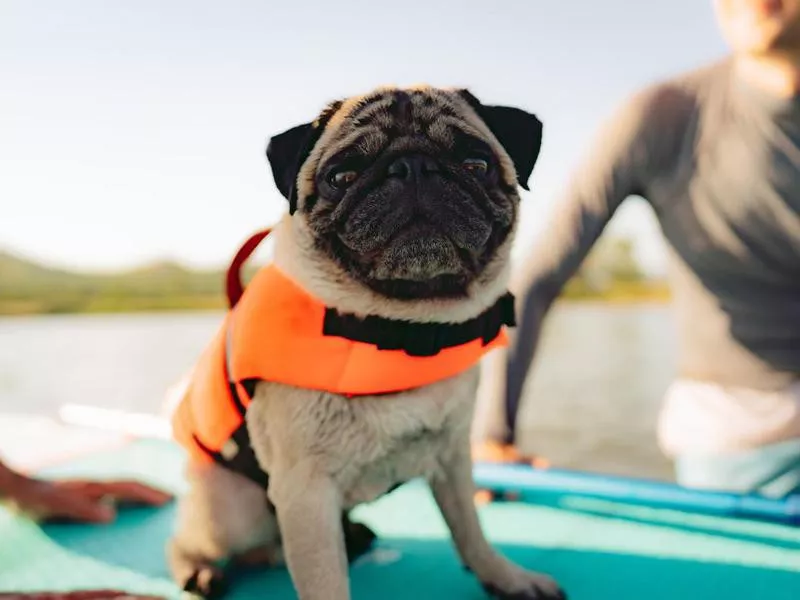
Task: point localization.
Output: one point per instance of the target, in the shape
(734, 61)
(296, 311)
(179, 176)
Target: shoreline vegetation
(609, 275)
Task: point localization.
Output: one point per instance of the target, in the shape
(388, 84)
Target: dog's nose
(411, 167)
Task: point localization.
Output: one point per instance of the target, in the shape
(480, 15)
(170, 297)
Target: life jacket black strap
(237, 453)
(421, 339)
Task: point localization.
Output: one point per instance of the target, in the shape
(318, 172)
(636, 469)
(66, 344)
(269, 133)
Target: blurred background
(132, 165)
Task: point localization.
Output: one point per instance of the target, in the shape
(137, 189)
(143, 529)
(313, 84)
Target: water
(592, 401)
(596, 388)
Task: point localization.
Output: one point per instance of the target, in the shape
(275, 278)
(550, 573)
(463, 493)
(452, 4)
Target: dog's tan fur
(325, 453)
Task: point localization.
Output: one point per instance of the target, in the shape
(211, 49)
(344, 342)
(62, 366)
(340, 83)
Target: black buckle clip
(424, 340)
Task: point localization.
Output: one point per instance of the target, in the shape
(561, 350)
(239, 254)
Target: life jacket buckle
(424, 341)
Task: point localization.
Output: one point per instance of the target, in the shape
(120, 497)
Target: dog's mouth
(418, 252)
(417, 261)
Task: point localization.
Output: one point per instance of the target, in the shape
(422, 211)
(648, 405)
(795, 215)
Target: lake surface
(591, 403)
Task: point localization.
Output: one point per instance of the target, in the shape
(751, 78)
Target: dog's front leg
(309, 511)
(453, 489)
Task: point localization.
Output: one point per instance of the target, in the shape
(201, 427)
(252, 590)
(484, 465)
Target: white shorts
(699, 418)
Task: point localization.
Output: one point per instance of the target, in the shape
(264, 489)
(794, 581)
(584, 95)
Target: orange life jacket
(276, 331)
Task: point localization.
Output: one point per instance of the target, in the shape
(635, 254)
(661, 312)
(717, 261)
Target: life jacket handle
(233, 279)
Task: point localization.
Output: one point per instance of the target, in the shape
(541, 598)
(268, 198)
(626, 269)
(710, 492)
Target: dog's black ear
(518, 131)
(287, 151)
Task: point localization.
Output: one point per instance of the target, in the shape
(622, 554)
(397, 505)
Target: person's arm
(620, 163)
(72, 500)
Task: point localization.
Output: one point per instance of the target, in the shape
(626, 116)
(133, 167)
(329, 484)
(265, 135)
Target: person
(73, 500)
(716, 153)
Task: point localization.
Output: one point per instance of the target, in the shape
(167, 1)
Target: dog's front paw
(525, 585)
(206, 582)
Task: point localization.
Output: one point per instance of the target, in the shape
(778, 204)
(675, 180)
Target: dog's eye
(477, 166)
(341, 179)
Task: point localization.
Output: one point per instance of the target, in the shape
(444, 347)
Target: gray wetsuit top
(719, 162)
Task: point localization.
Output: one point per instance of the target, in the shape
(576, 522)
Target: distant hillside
(29, 287)
(609, 274)
(15, 270)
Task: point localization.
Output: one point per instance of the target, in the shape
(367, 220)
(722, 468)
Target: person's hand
(495, 452)
(78, 500)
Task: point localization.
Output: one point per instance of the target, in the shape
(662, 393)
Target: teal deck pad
(598, 550)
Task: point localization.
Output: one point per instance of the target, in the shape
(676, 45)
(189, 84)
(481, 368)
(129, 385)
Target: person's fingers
(126, 492)
(133, 491)
(483, 497)
(66, 504)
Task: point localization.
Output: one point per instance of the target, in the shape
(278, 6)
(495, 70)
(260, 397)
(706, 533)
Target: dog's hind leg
(222, 516)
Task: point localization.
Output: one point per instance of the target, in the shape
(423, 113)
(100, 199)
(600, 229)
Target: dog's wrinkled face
(412, 192)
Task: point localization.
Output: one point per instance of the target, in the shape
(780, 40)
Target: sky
(136, 131)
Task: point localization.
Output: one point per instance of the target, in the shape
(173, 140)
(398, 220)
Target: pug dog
(403, 205)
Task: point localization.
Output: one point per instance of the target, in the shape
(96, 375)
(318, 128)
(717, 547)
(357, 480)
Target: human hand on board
(83, 501)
